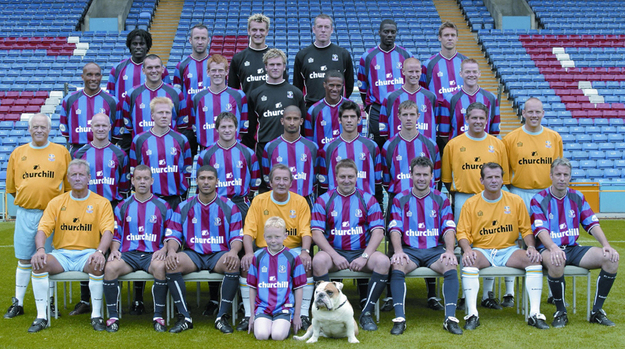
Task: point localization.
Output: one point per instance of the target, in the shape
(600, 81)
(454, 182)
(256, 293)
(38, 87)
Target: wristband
(38, 248)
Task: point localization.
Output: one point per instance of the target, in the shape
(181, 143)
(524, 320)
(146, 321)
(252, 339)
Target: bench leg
(574, 295)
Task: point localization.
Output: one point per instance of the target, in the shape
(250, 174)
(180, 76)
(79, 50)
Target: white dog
(332, 315)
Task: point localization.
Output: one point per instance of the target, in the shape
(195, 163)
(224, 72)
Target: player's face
(257, 32)
(476, 121)
(470, 73)
(39, 129)
(334, 88)
(206, 182)
(322, 30)
(292, 122)
(560, 177)
(493, 180)
(448, 38)
(199, 40)
(274, 238)
(408, 118)
(78, 177)
(92, 76)
(281, 181)
(100, 126)
(138, 48)
(161, 115)
(388, 33)
(346, 179)
(226, 130)
(412, 72)
(217, 73)
(153, 70)
(421, 178)
(533, 112)
(142, 181)
(349, 121)
(275, 68)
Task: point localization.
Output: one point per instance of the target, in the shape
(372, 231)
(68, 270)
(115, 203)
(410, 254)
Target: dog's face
(328, 295)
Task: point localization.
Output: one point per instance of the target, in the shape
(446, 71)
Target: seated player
(208, 226)
(423, 234)
(557, 213)
(276, 278)
(138, 245)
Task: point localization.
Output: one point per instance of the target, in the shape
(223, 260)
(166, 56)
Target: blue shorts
(350, 255)
(204, 261)
(138, 260)
(274, 317)
(72, 260)
(424, 257)
(498, 257)
(574, 254)
(459, 200)
(26, 225)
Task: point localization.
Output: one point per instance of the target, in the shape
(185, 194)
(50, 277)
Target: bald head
(291, 109)
(101, 128)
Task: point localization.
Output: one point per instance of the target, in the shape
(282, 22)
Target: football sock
(557, 287)
(509, 285)
(377, 284)
(178, 290)
(245, 296)
(40, 290)
(308, 291)
(95, 286)
(228, 292)
(487, 286)
(111, 293)
(534, 286)
(398, 287)
(159, 295)
(139, 287)
(22, 279)
(450, 292)
(213, 290)
(431, 285)
(471, 286)
(604, 284)
(324, 277)
(85, 296)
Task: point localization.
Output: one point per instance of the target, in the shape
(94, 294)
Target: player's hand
(449, 258)
(114, 255)
(250, 327)
(400, 258)
(533, 254)
(39, 259)
(160, 255)
(246, 261)
(97, 260)
(306, 261)
(469, 258)
(230, 260)
(171, 262)
(297, 323)
(340, 262)
(357, 264)
(558, 257)
(610, 253)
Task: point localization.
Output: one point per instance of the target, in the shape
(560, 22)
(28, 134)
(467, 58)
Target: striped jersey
(191, 76)
(140, 225)
(322, 124)
(205, 228)
(136, 108)
(452, 118)
(347, 220)
(442, 76)
(421, 221)
(110, 176)
(238, 170)
(561, 217)
(379, 72)
(390, 125)
(126, 75)
(300, 156)
(77, 110)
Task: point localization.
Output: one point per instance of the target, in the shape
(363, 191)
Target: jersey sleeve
(386, 167)
(236, 225)
(447, 218)
(266, 165)
(166, 77)
(107, 219)
(118, 121)
(362, 75)
(375, 218)
(319, 214)
(299, 273)
(124, 176)
(10, 181)
(443, 115)
(446, 175)
(245, 123)
(254, 172)
(437, 164)
(252, 274)
(119, 223)
(322, 169)
(64, 123)
(384, 116)
(48, 219)
(127, 113)
(378, 166)
(298, 78)
(233, 78)
(538, 217)
(505, 163)
(135, 155)
(110, 85)
(173, 227)
(397, 218)
(187, 164)
(465, 224)
(495, 119)
(308, 124)
(250, 227)
(68, 159)
(177, 77)
(305, 218)
(524, 219)
(183, 112)
(588, 219)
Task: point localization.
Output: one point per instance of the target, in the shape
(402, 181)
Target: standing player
(208, 226)
(37, 173)
(390, 124)
(294, 151)
(379, 74)
(204, 107)
(266, 103)
(557, 213)
(79, 108)
(348, 227)
(190, 75)
(489, 226)
(291, 207)
(452, 120)
(166, 152)
(315, 61)
(247, 70)
(82, 223)
(423, 233)
(138, 245)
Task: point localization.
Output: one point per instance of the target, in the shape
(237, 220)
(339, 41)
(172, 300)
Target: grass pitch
(499, 329)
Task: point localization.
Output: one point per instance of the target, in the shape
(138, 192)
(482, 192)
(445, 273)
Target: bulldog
(332, 315)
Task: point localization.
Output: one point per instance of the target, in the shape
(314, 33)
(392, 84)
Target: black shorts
(574, 254)
(274, 317)
(204, 261)
(350, 255)
(138, 260)
(424, 257)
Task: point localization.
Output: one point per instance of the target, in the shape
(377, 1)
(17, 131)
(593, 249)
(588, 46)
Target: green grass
(499, 329)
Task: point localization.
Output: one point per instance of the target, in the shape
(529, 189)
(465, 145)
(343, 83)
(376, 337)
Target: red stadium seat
(574, 106)
(579, 113)
(42, 94)
(12, 117)
(562, 92)
(21, 101)
(32, 109)
(581, 99)
(618, 106)
(603, 106)
(610, 114)
(606, 77)
(12, 94)
(588, 106)
(7, 101)
(18, 109)
(27, 94)
(4, 109)
(568, 99)
(595, 113)
(571, 85)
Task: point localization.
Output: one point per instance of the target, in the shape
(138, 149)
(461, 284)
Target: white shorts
(73, 260)
(26, 225)
(498, 257)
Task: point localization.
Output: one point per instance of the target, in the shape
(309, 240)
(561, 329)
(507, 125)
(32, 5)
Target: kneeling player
(423, 233)
(276, 278)
(138, 245)
(210, 228)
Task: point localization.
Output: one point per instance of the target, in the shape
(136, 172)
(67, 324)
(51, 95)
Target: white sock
(22, 279)
(96, 287)
(534, 286)
(487, 286)
(245, 295)
(309, 289)
(40, 290)
(510, 285)
(471, 286)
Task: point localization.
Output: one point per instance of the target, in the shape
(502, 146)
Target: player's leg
(110, 284)
(280, 329)
(555, 281)
(262, 328)
(159, 292)
(40, 281)
(229, 288)
(595, 258)
(398, 290)
(307, 292)
(379, 265)
(450, 285)
(471, 286)
(188, 261)
(322, 264)
(533, 283)
(245, 299)
(96, 285)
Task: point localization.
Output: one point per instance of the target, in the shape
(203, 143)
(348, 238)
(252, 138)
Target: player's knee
(321, 263)
(157, 268)
(261, 333)
(381, 262)
(609, 266)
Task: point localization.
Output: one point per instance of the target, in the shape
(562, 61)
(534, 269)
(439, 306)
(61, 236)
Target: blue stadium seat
(576, 174)
(605, 164)
(586, 164)
(611, 173)
(596, 155)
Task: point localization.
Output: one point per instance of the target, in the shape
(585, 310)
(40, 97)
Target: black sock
(159, 293)
(85, 294)
(324, 277)
(450, 292)
(229, 288)
(213, 290)
(111, 292)
(398, 285)
(604, 284)
(377, 284)
(139, 287)
(178, 290)
(431, 285)
(363, 287)
(557, 287)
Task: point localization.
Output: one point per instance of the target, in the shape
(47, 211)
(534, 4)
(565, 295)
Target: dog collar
(342, 304)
